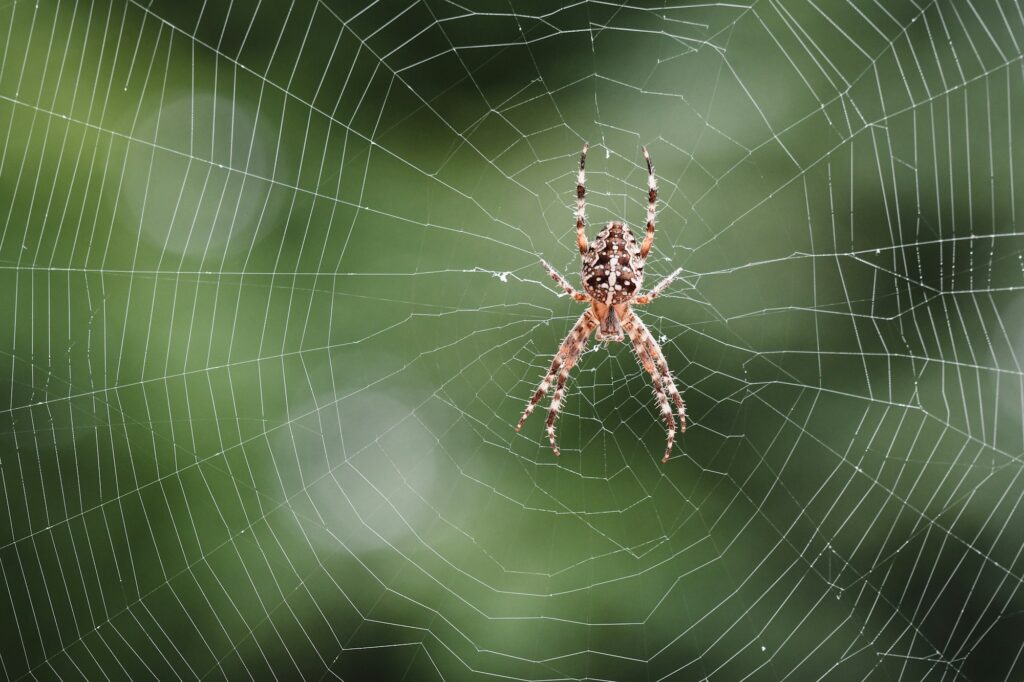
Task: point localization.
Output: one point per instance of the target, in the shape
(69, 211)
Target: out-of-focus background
(270, 307)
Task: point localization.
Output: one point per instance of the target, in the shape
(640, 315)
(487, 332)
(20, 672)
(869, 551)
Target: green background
(270, 307)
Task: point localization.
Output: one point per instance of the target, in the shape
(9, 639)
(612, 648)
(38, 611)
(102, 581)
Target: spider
(613, 270)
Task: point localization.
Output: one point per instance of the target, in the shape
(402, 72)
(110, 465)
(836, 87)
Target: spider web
(272, 307)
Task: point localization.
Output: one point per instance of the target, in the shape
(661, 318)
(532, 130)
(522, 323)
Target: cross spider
(613, 270)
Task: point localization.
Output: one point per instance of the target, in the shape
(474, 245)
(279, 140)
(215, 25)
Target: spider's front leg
(563, 361)
(649, 363)
(653, 361)
(654, 349)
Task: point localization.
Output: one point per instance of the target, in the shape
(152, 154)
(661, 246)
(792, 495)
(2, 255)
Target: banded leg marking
(652, 198)
(581, 206)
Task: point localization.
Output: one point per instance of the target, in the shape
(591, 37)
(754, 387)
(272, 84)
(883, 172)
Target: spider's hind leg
(652, 200)
(581, 204)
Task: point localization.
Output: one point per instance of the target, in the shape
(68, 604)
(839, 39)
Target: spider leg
(563, 283)
(659, 358)
(564, 359)
(649, 364)
(652, 198)
(659, 288)
(581, 191)
(556, 398)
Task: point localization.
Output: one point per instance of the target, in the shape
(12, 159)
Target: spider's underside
(613, 270)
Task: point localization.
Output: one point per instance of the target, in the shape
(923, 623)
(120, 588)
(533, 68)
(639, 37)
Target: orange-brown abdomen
(612, 268)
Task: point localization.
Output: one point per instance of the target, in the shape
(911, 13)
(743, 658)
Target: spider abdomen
(612, 268)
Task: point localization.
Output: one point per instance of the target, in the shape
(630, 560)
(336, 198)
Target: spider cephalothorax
(613, 271)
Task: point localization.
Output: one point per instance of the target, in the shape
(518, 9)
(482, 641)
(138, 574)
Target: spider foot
(551, 437)
(671, 441)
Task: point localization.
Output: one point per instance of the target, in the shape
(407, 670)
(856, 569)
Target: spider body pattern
(612, 274)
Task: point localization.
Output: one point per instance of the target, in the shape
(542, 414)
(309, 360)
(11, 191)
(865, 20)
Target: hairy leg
(652, 198)
(562, 282)
(658, 289)
(581, 191)
(556, 398)
(654, 348)
(564, 359)
(650, 364)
